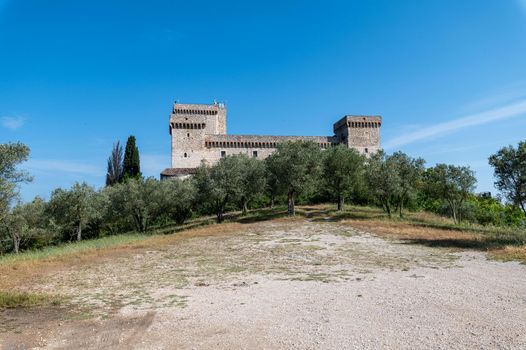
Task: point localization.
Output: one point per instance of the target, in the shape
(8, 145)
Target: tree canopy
(509, 165)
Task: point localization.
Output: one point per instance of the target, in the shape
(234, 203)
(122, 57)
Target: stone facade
(198, 134)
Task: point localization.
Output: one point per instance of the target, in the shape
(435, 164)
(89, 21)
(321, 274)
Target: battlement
(358, 121)
(198, 134)
(197, 109)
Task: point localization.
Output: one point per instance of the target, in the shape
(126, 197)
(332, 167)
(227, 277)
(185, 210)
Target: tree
(253, 180)
(115, 170)
(410, 171)
(342, 170)
(137, 200)
(383, 179)
(509, 166)
(297, 163)
(25, 222)
(131, 163)
(177, 199)
(452, 184)
(75, 208)
(220, 185)
(11, 155)
(272, 187)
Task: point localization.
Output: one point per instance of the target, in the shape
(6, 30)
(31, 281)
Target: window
(366, 150)
(185, 155)
(187, 134)
(255, 154)
(223, 154)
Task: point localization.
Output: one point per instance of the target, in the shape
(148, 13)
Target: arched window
(185, 155)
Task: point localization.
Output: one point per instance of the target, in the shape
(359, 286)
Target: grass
(17, 300)
(503, 243)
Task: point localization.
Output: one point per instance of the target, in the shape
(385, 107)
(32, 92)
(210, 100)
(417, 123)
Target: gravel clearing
(288, 285)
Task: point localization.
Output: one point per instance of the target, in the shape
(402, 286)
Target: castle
(198, 133)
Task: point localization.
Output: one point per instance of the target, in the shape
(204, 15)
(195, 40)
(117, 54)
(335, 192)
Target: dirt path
(281, 285)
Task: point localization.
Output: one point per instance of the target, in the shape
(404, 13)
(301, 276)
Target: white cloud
(492, 115)
(57, 166)
(13, 123)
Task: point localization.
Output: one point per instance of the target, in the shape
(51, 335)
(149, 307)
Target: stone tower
(189, 124)
(359, 132)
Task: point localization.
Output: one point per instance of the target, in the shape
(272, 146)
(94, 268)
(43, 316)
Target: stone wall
(198, 134)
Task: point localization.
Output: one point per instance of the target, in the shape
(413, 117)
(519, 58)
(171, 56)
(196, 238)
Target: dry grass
(503, 243)
(18, 271)
(17, 300)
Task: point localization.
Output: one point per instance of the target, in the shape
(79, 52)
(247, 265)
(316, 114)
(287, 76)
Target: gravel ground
(289, 285)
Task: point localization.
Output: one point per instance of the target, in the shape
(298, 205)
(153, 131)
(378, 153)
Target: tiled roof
(178, 171)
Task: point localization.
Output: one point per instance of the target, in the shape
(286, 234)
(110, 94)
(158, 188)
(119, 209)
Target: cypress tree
(131, 164)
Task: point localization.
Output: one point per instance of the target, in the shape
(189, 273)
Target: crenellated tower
(189, 124)
(359, 132)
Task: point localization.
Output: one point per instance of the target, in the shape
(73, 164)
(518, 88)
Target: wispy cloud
(12, 122)
(488, 116)
(57, 166)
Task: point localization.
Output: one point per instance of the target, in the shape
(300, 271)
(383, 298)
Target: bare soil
(281, 284)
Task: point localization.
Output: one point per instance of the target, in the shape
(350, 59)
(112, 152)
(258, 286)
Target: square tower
(359, 132)
(189, 124)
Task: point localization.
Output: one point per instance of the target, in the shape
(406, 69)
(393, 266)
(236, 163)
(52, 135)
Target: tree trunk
(522, 207)
(401, 206)
(340, 202)
(220, 215)
(245, 207)
(291, 210)
(271, 202)
(388, 208)
(79, 231)
(16, 244)
(453, 212)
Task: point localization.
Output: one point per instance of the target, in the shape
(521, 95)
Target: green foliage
(115, 168)
(253, 180)
(11, 155)
(383, 179)
(25, 223)
(298, 172)
(134, 202)
(410, 172)
(509, 165)
(221, 184)
(131, 163)
(73, 209)
(342, 172)
(452, 184)
(296, 167)
(176, 199)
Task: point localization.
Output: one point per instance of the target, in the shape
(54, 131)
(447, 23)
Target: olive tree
(296, 165)
(253, 180)
(342, 170)
(11, 155)
(136, 201)
(509, 165)
(220, 185)
(383, 179)
(272, 183)
(410, 171)
(75, 208)
(176, 199)
(26, 221)
(450, 183)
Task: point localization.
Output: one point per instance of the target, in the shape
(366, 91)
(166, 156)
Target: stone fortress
(198, 134)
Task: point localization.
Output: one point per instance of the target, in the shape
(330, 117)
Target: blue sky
(448, 77)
